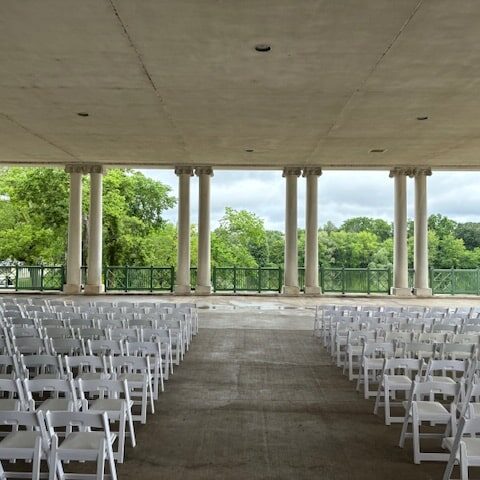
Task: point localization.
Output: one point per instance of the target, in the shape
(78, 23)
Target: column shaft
(95, 237)
(182, 284)
(400, 250)
(74, 248)
(204, 286)
(291, 253)
(421, 234)
(311, 231)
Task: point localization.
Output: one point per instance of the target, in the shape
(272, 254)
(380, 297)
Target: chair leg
(463, 462)
(101, 461)
(150, 394)
(121, 438)
(377, 400)
(111, 461)
(52, 460)
(131, 429)
(366, 384)
(37, 453)
(404, 430)
(449, 468)
(387, 406)
(416, 437)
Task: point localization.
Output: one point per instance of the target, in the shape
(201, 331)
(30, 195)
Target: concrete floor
(265, 404)
(258, 398)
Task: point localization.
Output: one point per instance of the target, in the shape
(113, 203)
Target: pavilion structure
(301, 88)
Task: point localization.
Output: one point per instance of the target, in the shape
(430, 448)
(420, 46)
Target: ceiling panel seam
(37, 135)
(147, 74)
(322, 137)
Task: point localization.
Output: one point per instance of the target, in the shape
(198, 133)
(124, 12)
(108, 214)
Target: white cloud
(342, 194)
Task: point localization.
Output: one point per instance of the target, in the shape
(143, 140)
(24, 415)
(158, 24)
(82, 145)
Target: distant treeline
(34, 218)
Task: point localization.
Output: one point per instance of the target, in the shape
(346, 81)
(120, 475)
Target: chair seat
(8, 404)
(472, 444)
(133, 377)
(93, 376)
(426, 409)
(443, 379)
(402, 380)
(376, 363)
(56, 405)
(108, 405)
(84, 441)
(23, 439)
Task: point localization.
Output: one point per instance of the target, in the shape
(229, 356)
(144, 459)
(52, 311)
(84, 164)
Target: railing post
(368, 280)
(389, 280)
(452, 282)
(280, 279)
(234, 279)
(343, 280)
(41, 277)
(172, 278)
(126, 278)
(322, 279)
(151, 278)
(214, 278)
(259, 279)
(430, 279)
(478, 281)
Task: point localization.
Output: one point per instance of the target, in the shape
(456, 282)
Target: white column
(290, 283)
(400, 248)
(203, 286)
(74, 249)
(422, 288)
(95, 238)
(182, 284)
(311, 231)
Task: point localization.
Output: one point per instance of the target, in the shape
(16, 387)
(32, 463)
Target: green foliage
(470, 234)
(377, 226)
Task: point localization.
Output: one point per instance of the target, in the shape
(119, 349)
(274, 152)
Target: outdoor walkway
(265, 404)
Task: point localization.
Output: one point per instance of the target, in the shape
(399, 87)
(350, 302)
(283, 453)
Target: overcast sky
(342, 194)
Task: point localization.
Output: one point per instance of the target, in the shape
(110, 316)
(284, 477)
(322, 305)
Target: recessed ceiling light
(82, 114)
(423, 117)
(377, 150)
(249, 150)
(263, 47)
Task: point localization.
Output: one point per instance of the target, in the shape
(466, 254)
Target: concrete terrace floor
(258, 398)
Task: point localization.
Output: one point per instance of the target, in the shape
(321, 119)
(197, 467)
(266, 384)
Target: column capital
(312, 171)
(93, 168)
(297, 171)
(74, 168)
(427, 171)
(184, 170)
(407, 171)
(204, 171)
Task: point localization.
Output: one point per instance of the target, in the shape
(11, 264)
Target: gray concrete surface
(265, 404)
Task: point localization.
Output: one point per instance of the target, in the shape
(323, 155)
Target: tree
(377, 226)
(441, 225)
(470, 234)
(34, 210)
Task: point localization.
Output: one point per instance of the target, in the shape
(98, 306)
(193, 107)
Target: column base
(401, 291)
(422, 292)
(182, 290)
(72, 289)
(94, 289)
(290, 290)
(313, 290)
(203, 290)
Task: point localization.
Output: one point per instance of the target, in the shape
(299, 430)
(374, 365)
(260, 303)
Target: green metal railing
(238, 279)
(151, 279)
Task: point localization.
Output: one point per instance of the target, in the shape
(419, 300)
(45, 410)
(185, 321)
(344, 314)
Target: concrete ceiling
(179, 82)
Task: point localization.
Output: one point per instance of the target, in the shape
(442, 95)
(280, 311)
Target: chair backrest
(40, 363)
(378, 349)
(392, 365)
(30, 345)
(105, 347)
(54, 386)
(84, 363)
(129, 364)
(19, 419)
(445, 366)
(83, 421)
(67, 346)
(143, 348)
(431, 388)
(15, 388)
(103, 388)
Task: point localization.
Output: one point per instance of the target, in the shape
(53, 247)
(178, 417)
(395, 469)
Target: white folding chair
(13, 398)
(24, 442)
(63, 395)
(138, 372)
(80, 443)
(86, 367)
(112, 397)
(464, 447)
(397, 376)
(418, 410)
